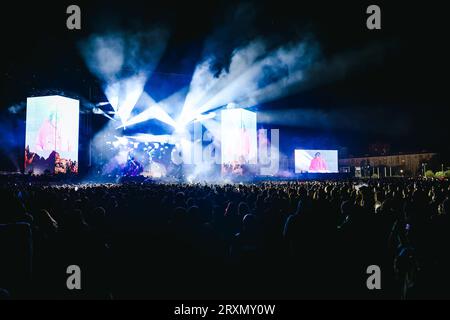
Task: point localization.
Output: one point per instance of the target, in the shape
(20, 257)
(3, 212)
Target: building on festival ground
(387, 165)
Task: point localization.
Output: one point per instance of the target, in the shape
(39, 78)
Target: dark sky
(407, 85)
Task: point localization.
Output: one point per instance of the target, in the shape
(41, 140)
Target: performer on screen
(51, 136)
(29, 156)
(318, 164)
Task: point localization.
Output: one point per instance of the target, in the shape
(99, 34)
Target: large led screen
(316, 161)
(239, 140)
(51, 139)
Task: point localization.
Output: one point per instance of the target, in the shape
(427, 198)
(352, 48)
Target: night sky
(399, 96)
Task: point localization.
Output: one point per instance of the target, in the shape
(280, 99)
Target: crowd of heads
(297, 239)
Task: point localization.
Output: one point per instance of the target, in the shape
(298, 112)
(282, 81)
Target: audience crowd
(277, 240)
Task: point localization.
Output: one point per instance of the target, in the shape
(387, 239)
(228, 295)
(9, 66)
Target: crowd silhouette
(271, 240)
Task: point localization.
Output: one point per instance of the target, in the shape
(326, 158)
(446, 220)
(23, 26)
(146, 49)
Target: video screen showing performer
(316, 161)
(51, 142)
